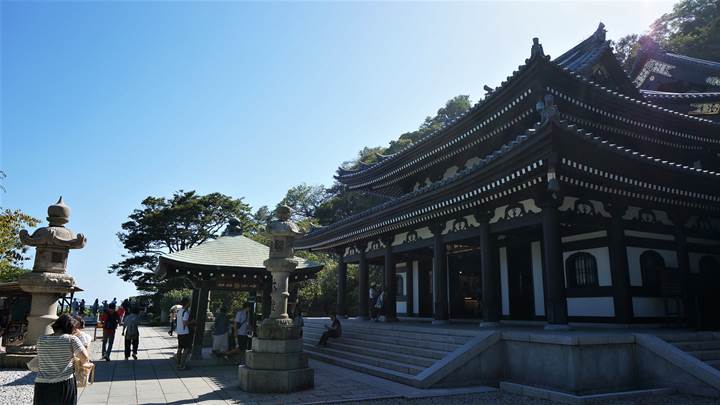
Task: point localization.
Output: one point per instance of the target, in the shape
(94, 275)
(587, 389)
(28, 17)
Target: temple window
(581, 270)
(400, 285)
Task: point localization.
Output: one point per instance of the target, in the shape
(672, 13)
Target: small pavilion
(230, 262)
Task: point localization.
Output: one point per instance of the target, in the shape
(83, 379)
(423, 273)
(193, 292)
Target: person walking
(220, 332)
(372, 294)
(131, 327)
(95, 308)
(299, 321)
(242, 327)
(74, 306)
(334, 330)
(183, 334)
(173, 317)
(55, 381)
(379, 303)
(81, 307)
(110, 320)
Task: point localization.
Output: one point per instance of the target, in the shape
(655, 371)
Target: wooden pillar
(194, 301)
(267, 299)
(556, 301)
(363, 284)
(683, 259)
(440, 304)
(619, 271)
(409, 293)
(200, 317)
(390, 281)
(341, 285)
(490, 272)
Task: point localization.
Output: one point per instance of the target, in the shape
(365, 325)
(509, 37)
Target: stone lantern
(48, 281)
(276, 362)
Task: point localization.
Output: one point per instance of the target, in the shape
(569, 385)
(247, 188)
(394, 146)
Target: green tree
(304, 200)
(12, 252)
(167, 225)
(692, 28)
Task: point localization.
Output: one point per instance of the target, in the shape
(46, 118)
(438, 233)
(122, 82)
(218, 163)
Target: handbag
(33, 365)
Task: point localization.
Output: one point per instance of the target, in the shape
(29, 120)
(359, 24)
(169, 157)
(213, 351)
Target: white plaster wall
(401, 307)
(591, 306)
(648, 307)
(471, 222)
(634, 253)
(404, 281)
(416, 287)
(660, 216)
(399, 239)
(536, 252)
(602, 257)
(424, 233)
(504, 289)
(649, 235)
(569, 204)
(529, 205)
(695, 261)
(472, 162)
(703, 241)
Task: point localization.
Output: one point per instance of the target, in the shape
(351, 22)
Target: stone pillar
(441, 314)
(409, 293)
(490, 273)
(363, 284)
(276, 363)
(341, 286)
(619, 271)
(48, 281)
(556, 301)
(200, 316)
(390, 281)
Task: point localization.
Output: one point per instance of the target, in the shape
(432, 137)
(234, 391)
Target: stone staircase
(705, 346)
(384, 350)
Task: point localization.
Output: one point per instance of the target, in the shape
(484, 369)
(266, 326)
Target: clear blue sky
(107, 103)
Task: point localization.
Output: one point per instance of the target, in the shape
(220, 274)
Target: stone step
(698, 345)
(706, 354)
(394, 340)
(381, 329)
(314, 337)
(377, 353)
(369, 360)
(687, 337)
(391, 375)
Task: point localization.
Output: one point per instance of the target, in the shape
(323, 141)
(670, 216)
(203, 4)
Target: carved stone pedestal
(276, 363)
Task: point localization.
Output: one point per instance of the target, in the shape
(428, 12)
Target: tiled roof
(586, 53)
(229, 251)
(665, 94)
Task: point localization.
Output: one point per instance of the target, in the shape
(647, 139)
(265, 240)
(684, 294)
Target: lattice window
(581, 270)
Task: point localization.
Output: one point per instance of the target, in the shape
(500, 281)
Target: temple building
(573, 192)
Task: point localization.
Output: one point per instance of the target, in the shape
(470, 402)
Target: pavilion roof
(226, 253)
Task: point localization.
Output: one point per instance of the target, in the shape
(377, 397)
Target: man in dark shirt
(220, 332)
(334, 330)
(110, 320)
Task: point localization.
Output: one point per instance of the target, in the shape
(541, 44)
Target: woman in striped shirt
(55, 382)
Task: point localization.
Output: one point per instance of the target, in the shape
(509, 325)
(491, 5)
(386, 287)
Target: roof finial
(600, 32)
(537, 49)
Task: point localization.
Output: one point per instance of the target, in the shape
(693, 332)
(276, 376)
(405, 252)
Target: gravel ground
(16, 386)
(501, 398)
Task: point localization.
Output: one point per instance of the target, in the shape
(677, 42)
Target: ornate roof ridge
(591, 137)
(586, 52)
(670, 94)
(631, 100)
(481, 164)
(536, 54)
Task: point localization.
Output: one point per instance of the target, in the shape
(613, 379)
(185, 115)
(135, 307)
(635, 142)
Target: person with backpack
(184, 334)
(132, 332)
(110, 320)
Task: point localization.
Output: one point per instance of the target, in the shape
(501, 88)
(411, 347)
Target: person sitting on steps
(334, 330)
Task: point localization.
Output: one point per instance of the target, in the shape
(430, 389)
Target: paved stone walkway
(152, 379)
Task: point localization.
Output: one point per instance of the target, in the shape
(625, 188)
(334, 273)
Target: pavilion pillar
(490, 273)
(267, 299)
(556, 301)
(390, 281)
(440, 303)
(409, 293)
(194, 301)
(341, 286)
(619, 271)
(363, 284)
(200, 317)
(683, 260)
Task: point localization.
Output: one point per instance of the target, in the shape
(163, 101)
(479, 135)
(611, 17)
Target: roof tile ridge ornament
(600, 32)
(536, 51)
(547, 108)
